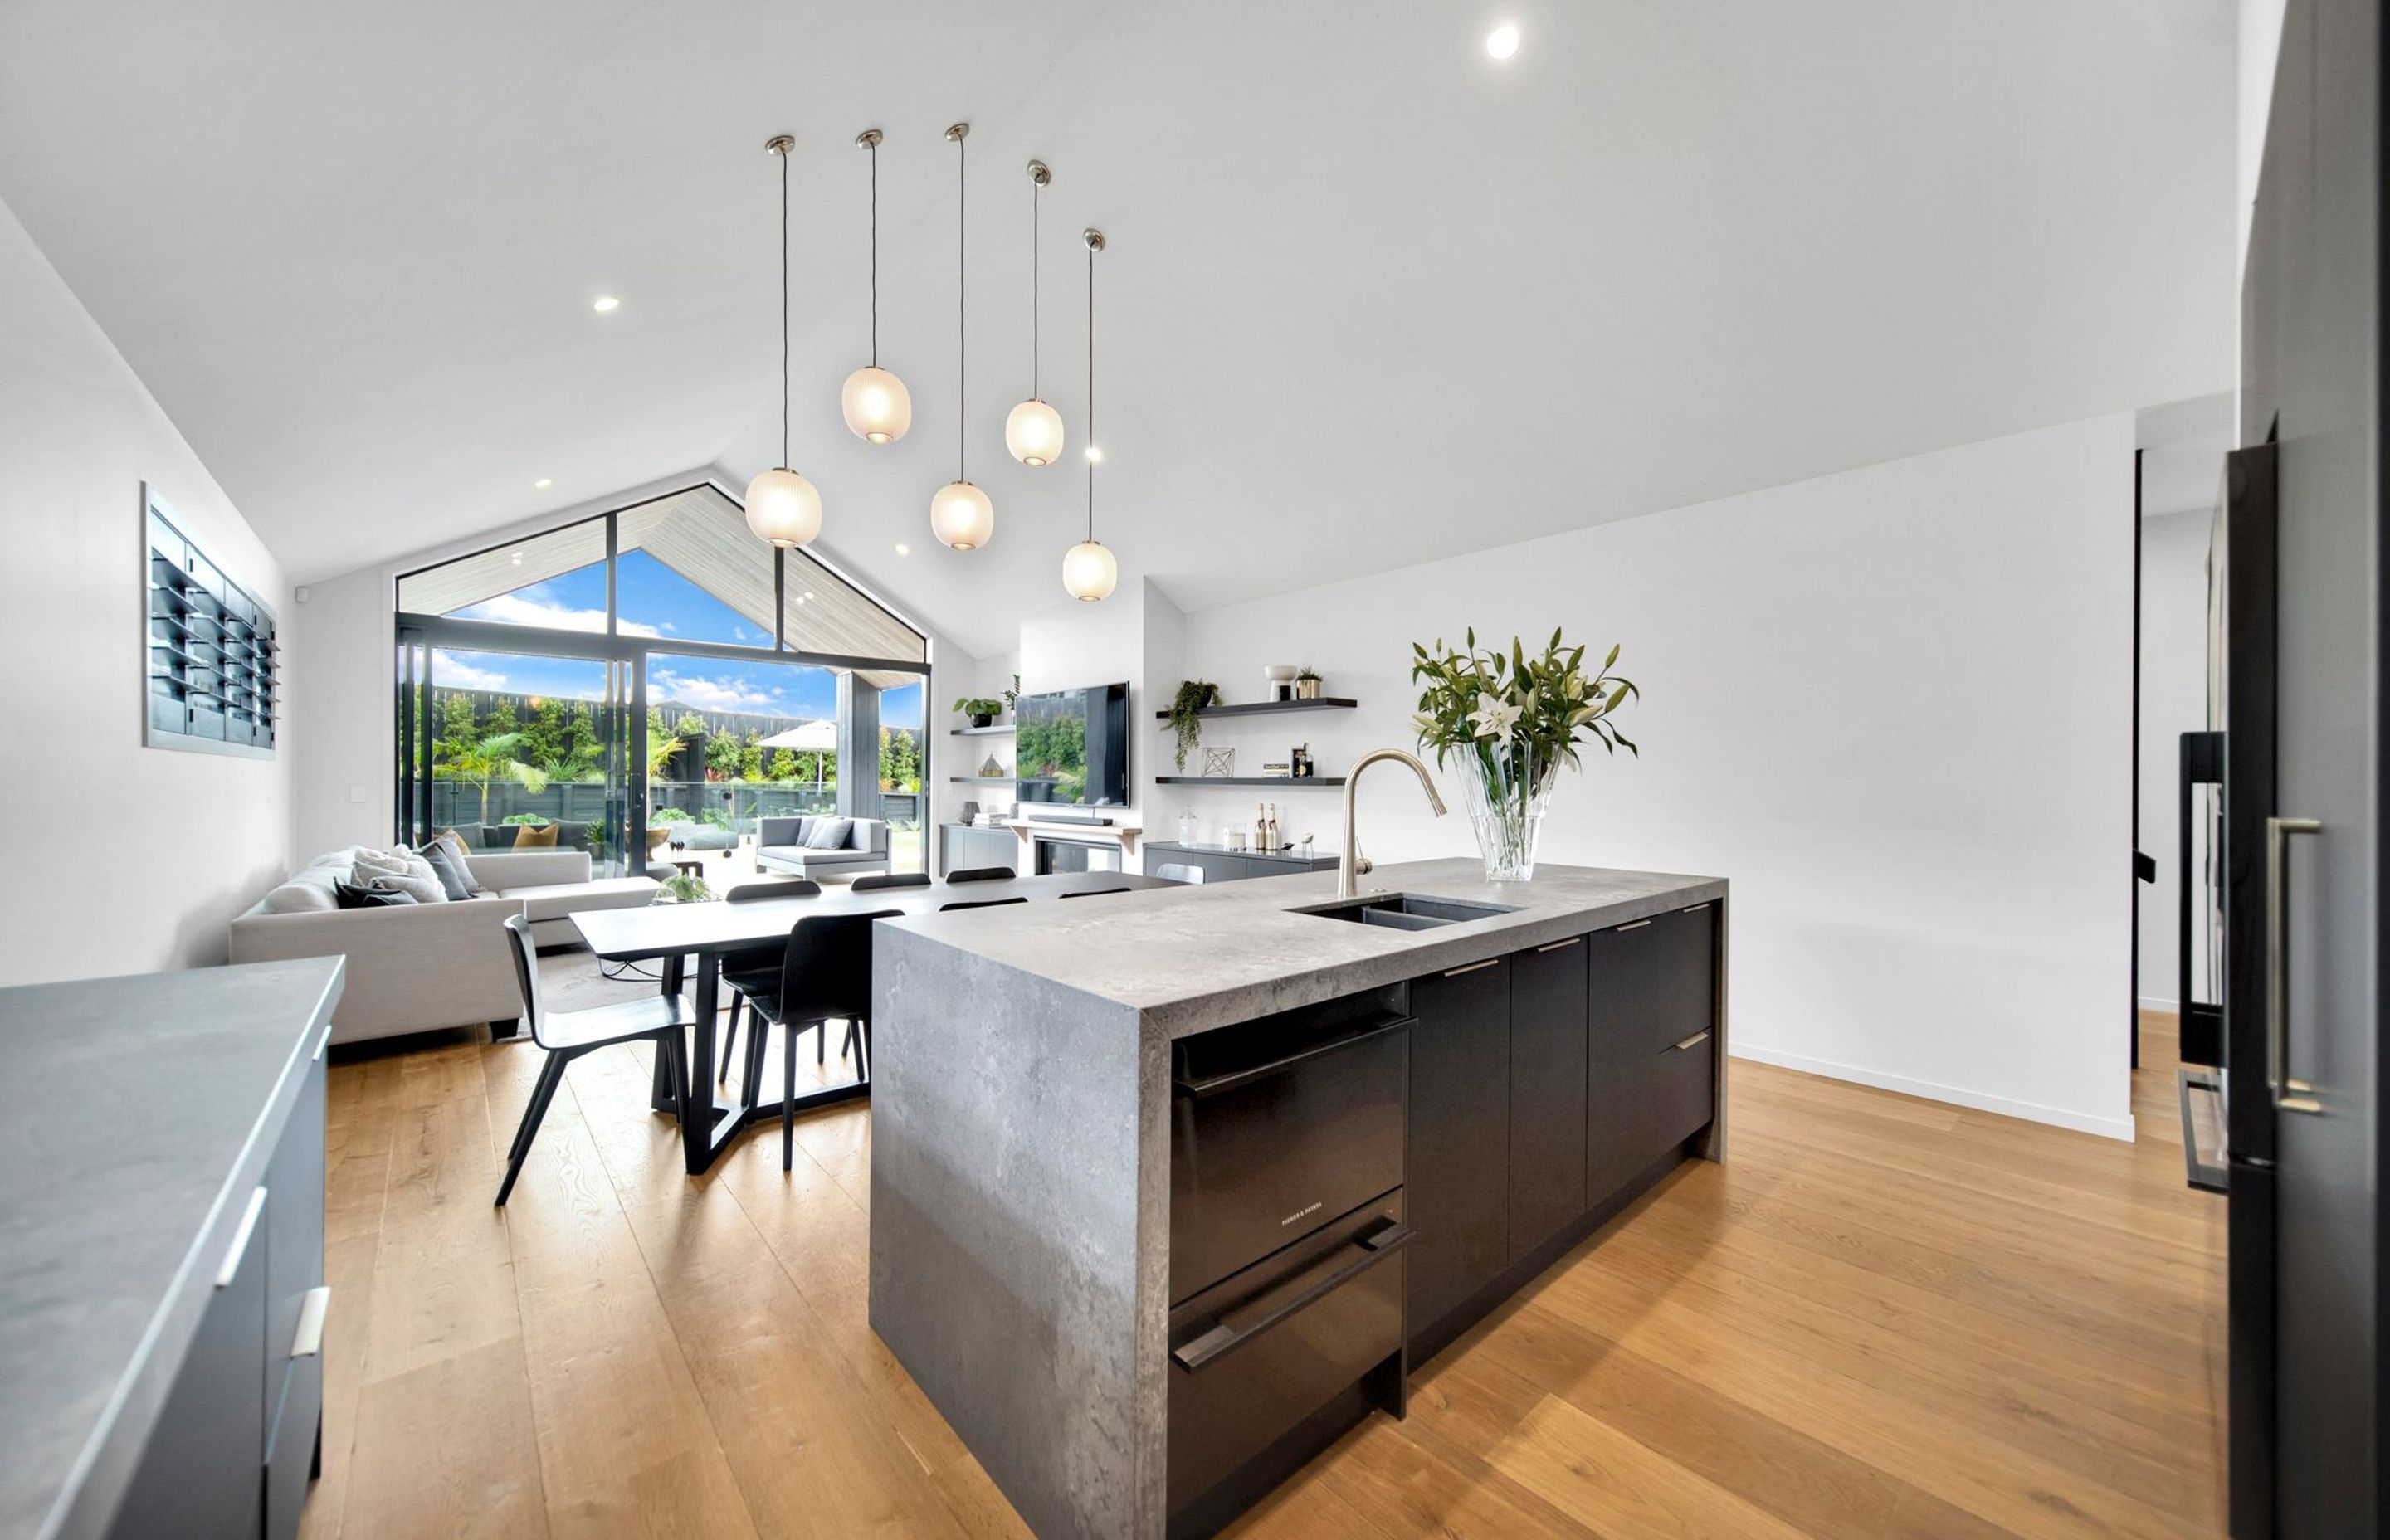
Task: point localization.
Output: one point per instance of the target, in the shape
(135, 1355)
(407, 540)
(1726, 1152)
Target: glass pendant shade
(1033, 432)
(784, 509)
(876, 404)
(1089, 572)
(961, 516)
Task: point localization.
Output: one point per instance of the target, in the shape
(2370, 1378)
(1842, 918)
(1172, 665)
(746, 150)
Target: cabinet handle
(1694, 909)
(1560, 946)
(1632, 925)
(1289, 1299)
(2291, 1096)
(1456, 972)
(309, 1339)
(230, 1268)
(1695, 1041)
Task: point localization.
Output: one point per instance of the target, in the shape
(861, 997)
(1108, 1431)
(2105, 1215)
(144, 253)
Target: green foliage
(684, 887)
(751, 758)
(490, 759)
(783, 765)
(978, 705)
(1192, 697)
(721, 757)
(535, 819)
(668, 815)
(1518, 717)
(900, 760)
(1055, 749)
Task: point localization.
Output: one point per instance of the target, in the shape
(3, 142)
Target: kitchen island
(1170, 1187)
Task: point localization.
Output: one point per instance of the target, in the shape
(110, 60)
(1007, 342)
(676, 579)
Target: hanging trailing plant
(1192, 697)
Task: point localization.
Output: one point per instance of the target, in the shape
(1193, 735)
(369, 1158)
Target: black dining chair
(1093, 893)
(979, 904)
(759, 967)
(981, 874)
(825, 977)
(567, 1034)
(879, 880)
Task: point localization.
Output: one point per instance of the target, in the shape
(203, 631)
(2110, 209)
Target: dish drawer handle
(1695, 1041)
(308, 1340)
(1210, 1084)
(1290, 1300)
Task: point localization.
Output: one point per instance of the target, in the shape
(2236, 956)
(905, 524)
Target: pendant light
(876, 404)
(1088, 570)
(960, 514)
(782, 507)
(1033, 431)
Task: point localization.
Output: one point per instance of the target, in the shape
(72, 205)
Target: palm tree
(493, 759)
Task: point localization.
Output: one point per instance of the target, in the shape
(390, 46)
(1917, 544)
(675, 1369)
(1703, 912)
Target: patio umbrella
(821, 736)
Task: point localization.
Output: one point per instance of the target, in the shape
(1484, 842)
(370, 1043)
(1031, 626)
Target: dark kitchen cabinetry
(1651, 1075)
(1548, 1092)
(1460, 1170)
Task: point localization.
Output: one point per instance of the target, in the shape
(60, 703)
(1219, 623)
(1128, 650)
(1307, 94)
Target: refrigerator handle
(2291, 1096)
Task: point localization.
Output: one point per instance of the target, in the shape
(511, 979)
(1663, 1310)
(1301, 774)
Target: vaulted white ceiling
(1370, 297)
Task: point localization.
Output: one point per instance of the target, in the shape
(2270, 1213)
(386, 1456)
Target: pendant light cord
(1091, 390)
(784, 310)
(1037, 189)
(875, 252)
(962, 283)
(962, 280)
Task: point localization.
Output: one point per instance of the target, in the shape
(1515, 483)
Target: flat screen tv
(1074, 746)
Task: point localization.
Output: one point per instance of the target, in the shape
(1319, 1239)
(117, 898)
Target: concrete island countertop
(1191, 958)
(1021, 1153)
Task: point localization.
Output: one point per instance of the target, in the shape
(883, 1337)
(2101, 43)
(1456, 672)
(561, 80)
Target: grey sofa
(421, 966)
(781, 847)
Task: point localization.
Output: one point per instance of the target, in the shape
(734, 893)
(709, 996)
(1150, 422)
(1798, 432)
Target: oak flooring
(1882, 1318)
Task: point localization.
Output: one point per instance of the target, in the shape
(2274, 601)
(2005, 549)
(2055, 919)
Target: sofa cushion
(535, 836)
(400, 868)
(827, 833)
(789, 829)
(309, 890)
(555, 899)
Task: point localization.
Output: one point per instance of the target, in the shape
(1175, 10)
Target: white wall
(141, 855)
(345, 790)
(2260, 50)
(2174, 702)
(1893, 706)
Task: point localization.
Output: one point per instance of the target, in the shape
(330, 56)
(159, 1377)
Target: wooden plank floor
(1884, 1318)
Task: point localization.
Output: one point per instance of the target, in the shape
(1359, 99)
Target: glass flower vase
(1507, 789)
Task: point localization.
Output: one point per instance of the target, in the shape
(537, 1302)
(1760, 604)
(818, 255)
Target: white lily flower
(1493, 716)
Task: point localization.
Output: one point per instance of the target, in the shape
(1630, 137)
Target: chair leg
(552, 1075)
(789, 1097)
(729, 1040)
(821, 1044)
(859, 1038)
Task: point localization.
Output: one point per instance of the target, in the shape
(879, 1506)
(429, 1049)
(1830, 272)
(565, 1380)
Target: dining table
(674, 936)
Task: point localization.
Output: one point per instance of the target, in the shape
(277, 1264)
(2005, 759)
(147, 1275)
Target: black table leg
(661, 1095)
(698, 1142)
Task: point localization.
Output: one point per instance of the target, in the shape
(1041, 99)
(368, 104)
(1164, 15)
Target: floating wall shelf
(1258, 708)
(1289, 781)
(998, 730)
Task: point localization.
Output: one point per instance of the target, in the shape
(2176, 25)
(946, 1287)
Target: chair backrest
(981, 874)
(525, 952)
(1178, 871)
(890, 879)
(826, 972)
(792, 887)
(1092, 892)
(979, 903)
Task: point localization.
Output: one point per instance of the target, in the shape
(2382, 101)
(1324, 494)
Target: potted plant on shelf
(1192, 697)
(1012, 696)
(1509, 723)
(979, 709)
(1308, 683)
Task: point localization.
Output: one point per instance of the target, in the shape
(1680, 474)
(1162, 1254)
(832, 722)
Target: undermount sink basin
(1406, 911)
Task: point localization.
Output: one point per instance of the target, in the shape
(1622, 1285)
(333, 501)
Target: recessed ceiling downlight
(543, 484)
(605, 304)
(1503, 41)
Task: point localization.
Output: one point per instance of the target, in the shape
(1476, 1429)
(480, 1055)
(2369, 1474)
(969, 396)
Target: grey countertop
(133, 1118)
(1194, 957)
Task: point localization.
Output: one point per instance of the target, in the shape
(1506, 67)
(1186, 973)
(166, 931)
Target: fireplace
(1056, 853)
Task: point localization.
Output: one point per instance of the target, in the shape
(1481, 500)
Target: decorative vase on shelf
(1506, 793)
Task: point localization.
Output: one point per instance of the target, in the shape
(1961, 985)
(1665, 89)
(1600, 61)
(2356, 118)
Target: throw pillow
(456, 879)
(535, 836)
(351, 895)
(373, 870)
(827, 833)
(456, 842)
(805, 822)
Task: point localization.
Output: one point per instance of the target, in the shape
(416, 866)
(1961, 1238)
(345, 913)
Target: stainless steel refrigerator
(2296, 653)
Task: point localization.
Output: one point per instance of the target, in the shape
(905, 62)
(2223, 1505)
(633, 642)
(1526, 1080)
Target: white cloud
(452, 671)
(527, 608)
(709, 695)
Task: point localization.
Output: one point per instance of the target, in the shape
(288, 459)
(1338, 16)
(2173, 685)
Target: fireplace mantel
(1122, 835)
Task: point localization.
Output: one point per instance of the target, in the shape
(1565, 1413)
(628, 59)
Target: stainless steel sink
(1407, 911)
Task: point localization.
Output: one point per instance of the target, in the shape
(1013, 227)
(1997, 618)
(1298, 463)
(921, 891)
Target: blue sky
(657, 602)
